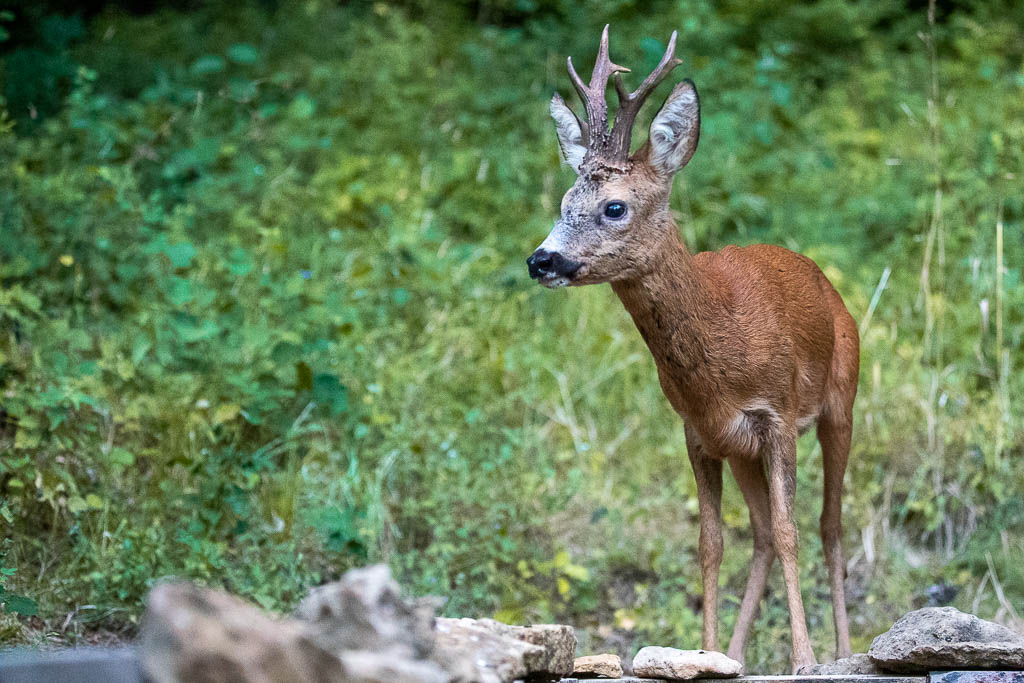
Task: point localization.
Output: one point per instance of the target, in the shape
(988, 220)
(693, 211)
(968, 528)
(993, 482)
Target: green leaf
(121, 456)
(302, 107)
(79, 340)
(179, 291)
(19, 604)
(190, 332)
(225, 413)
(329, 391)
(243, 53)
(207, 64)
(180, 254)
(140, 348)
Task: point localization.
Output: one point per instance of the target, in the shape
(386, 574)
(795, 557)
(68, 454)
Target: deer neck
(674, 306)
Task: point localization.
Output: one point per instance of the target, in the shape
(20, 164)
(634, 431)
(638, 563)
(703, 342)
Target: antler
(595, 130)
(630, 104)
(613, 147)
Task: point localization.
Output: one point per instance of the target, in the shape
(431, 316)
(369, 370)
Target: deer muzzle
(551, 269)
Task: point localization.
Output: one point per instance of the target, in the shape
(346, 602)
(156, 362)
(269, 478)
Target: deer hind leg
(749, 475)
(707, 470)
(780, 454)
(834, 435)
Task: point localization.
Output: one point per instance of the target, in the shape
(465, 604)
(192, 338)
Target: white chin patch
(554, 282)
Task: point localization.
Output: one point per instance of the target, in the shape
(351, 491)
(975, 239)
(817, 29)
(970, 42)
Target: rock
(859, 664)
(597, 666)
(493, 657)
(501, 652)
(367, 666)
(558, 641)
(358, 629)
(196, 634)
(668, 662)
(365, 610)
(377, 635)
(945, 638)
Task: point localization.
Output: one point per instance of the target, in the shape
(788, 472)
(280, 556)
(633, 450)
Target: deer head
(616, 215)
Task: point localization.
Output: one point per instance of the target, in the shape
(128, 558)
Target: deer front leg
(708, 472)
(780, 453)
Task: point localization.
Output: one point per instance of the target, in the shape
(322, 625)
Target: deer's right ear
(570, 134)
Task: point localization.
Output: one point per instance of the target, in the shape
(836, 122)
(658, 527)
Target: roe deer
(752, 344)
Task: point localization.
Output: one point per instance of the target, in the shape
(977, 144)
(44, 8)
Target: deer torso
(739, 336)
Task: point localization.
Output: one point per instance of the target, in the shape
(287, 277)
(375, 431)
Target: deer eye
(615, 210)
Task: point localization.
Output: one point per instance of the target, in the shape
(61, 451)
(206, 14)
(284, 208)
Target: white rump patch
(746, 430)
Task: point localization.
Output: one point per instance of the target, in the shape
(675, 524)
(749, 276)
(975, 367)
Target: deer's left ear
(675, 130)
(570, 134)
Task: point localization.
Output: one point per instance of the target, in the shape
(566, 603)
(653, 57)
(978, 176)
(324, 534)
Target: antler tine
(630, 103)
(603, 65)
(593, 95)
(668, 62)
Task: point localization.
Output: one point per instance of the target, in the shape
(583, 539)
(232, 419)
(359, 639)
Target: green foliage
(11, 601)
(264, 314)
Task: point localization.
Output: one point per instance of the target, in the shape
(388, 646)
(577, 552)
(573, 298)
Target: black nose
(543, 262)
(539, 263)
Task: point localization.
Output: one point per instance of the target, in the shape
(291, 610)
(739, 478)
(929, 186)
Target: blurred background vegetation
(264, 313)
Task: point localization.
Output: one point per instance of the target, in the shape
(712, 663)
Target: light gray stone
(368, 666)
(357, 630)
(378, 635)
(668, 662)
(364, 610)
(598, 666)
(859, 664)
(79, 664)
(557, 640)
(502, 652)
(977, 677)
(491, 656)
(945, 638)
(196, 634)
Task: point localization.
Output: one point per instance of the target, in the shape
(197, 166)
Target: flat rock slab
(845, 678)
(598, 666)
(852, 678)
(669, 662)
(937, 638)
(500, 652)
(832, 678)
(121, 665)
(81, 665)
(854, 664)
(977, 677)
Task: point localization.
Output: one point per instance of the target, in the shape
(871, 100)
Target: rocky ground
(361, 628)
